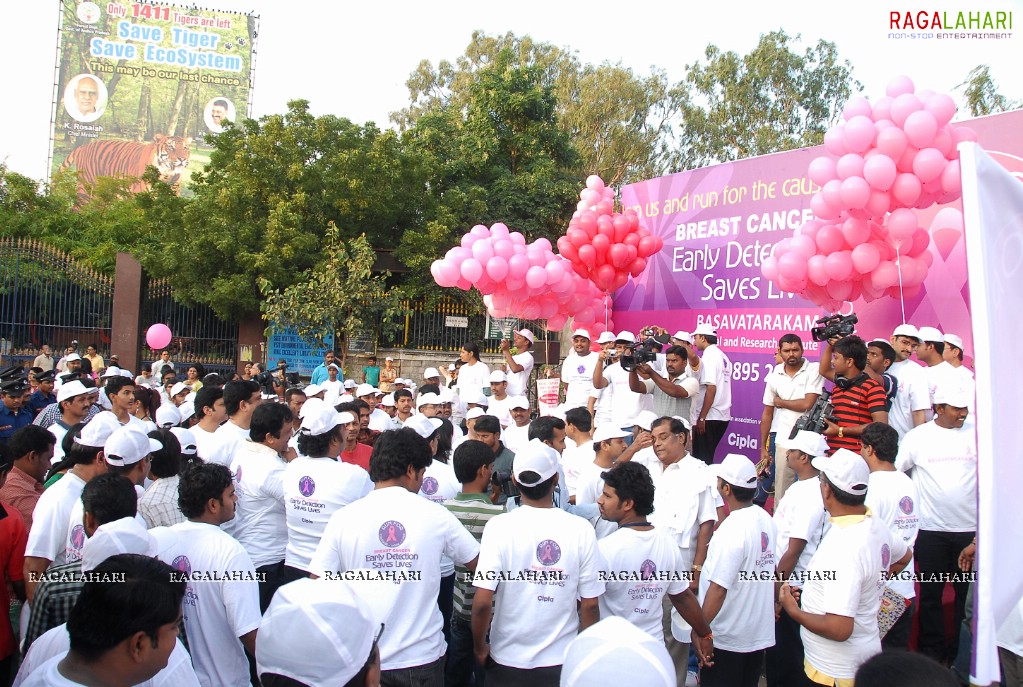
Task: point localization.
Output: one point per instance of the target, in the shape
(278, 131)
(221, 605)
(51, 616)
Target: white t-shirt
(682, 502)
(205, 442)
(573, 460)
(314, 489)
(59, 430)
(846, 578)
(379, 421)
(534, 544)
(518, 381)
(501, 409)
(602, 406)
(912, 395)
(476, 377)
(50, 519)
(334, 390)
(642, 566)
(396, 530)
(217, 611)
(741, 559)
(778, 384)
(515, 437)
(52, 646)
(590, 485)
(76, 527)
(892, 498)
(944, 469)
(577, 373)
(260, 523)
(625, 403)
(800, 515)
(226, 440)
(716, 369)
(439, 485)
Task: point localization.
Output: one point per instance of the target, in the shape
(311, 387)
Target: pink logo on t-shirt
(647, 570)
(886, 556)
(548, 552)
(307, 486)
(392, 533)
(430, 486)
(906, 505)
(764, 542)
(238, 474)
(581, 369)
(78, 537)
(181, 564)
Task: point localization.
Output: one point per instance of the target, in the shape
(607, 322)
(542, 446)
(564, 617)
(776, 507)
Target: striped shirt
(473, 511)
(853, 407)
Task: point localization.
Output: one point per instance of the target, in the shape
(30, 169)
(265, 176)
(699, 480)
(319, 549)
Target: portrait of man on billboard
(85, 98)
(218, 111)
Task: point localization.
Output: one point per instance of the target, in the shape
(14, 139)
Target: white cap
(625, 335)
(423, 426)
(473, 395)
(527, 335)
(389, 358)
(128, 445)
(401, 380)
(737, 470)
(320, 632)
(581, 332)
(606, 337)
(189, 446)
(451, 367)
(608, 432)
(112, 371)
(187, 410)
(684, 336)
(365, 390)
(447, 395)
(497, 376)
(126, 373)
(931, 335)
(349, 384)
(953, 394)
(615, 652)
(323, 420)
(685, 423)
(954, 340)
(428, 399)
(72, 389)
(345, 398)
(387, 401)
(167, 415)
(474, 413)
(430, 373)
(810, 443)
(120, 536)
(846, 470)
(311, 390)
(335, 366)
(98, 430)
(518, 402)
(907, 330)
(73, 357)
(177, 389)
(645, 420)
(705, 329)
(537, 457)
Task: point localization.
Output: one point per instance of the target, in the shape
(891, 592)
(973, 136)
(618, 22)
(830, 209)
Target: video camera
(813, 420)
(639, 353)
(503, 479)
(834, 325)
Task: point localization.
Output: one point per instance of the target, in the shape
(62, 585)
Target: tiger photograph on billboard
(146, 85)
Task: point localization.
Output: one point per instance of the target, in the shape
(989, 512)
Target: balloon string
(902, 297)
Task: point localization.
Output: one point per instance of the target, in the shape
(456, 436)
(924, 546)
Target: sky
(352, 59)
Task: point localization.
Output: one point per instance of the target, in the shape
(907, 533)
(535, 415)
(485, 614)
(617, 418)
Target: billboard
(146, 84)
(719, 224)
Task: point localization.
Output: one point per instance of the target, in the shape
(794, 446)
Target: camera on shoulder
(834, 325)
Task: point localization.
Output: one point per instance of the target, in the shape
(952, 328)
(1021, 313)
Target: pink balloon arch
(885, 161)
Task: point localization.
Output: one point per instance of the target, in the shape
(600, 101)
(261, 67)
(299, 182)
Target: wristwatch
(697, 568)
(840, 432)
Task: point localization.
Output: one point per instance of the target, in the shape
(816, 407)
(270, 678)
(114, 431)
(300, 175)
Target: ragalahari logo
(392, 533)
(970, 23)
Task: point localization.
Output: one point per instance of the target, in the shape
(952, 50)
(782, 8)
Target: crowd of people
(172, 529)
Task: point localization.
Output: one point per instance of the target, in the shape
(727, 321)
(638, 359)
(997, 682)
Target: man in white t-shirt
(500, 401)
(516, 434)
(953, 353)
(911, 402)
(939, 372)
(801, 522)
(577, 370)
(715, 412)
(221, 607)
(240, 400)
(317, 485)
(47, 541)
(332, 386)
(608, 446)
(892, 498)
(394, 530)
(672, 394)
(158, 365)
(209, 408)
(941, 457)
(599, 403)
(625, 403)
(520, 365)
(737, 584)
(643, 563)
(74, 403)
(838, 605)
(578, 446)
(790, 389)
(525, 556)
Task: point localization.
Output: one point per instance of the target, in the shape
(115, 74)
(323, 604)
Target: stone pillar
(124, 335)
(251, 339)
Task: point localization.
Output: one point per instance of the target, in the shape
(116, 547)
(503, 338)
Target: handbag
(893, 605)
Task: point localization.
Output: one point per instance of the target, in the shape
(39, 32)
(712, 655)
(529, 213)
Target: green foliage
(981, 93)
(770, 100)
(340, 294)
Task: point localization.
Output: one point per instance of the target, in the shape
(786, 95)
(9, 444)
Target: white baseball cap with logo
(954, 395)
(954, 340)
(606, 337)
(737, 470)
(846, 470)
(128, 445)
(71, 389)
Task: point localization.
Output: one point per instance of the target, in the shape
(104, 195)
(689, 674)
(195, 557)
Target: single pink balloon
(882, 109)
(952, 179)
(855, 231)
(906, 189)
(865, 257)
(856, 105)
(855, 192)
(497, 268)
(879, 171)
(859, 133)
(834, 141)
(901, 224)
(769, 268)
(792, 266)
(839, 265)
(803, 247)
(594, 181)
(471, 270)
(899, 85)
(929, 164)
(816, 272)
(850, 165)
(879, 204)
(821, 170)
(518, 265)
(920, 128)
(892, 142)
(829, 239)
(941, 107)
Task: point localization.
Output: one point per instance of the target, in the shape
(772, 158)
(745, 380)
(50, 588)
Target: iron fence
(448, 324)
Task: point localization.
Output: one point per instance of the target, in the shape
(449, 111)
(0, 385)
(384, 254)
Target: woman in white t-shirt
(474, 374)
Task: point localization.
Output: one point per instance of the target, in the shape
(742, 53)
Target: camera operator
(625, 403)
(672, 394)
(857, 399)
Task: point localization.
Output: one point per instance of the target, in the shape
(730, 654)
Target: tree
(770, 100)
(259, 208)
(340, 294)
(981, 93)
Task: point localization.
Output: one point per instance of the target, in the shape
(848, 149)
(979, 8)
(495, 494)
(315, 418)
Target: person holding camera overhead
(520, 365)
(625, 403)
(857, 399)
(672, 394)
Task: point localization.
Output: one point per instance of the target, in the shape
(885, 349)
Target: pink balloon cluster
(602, 245)
(883, 161)
(521, 280)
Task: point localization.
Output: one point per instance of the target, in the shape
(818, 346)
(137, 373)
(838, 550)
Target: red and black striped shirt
(854, 407)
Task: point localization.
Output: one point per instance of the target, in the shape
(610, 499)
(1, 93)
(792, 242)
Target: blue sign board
(302, 358)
